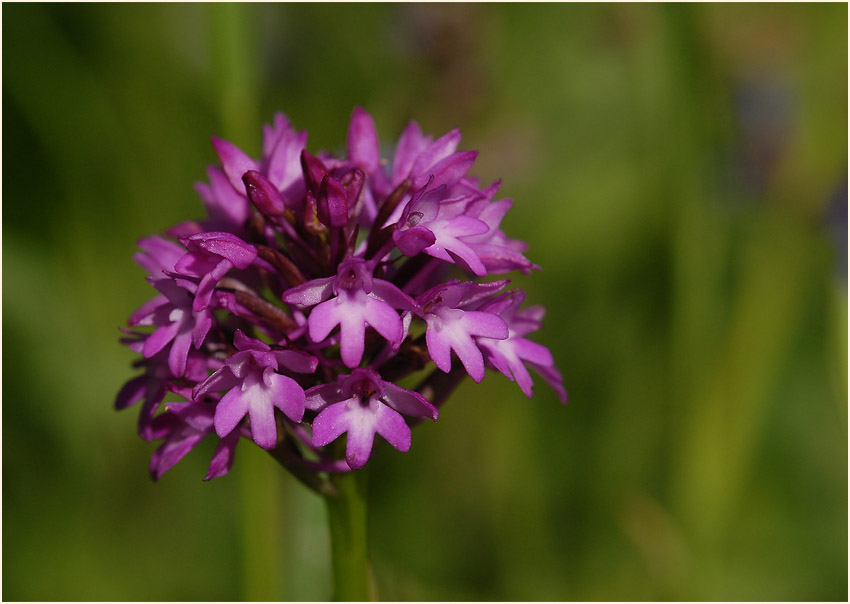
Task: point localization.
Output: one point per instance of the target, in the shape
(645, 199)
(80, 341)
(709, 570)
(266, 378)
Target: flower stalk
(347, 518)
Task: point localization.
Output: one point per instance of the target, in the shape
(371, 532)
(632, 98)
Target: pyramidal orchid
(315, 283)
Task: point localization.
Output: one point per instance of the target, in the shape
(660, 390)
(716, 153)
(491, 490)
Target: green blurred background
(680, 172)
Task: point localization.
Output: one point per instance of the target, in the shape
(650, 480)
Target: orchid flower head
(289, 316)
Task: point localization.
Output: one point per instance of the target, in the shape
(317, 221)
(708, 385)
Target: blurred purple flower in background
(297, 245)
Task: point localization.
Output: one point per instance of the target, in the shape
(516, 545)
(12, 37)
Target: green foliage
(670, 166)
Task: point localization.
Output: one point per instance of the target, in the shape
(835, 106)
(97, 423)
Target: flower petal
(413, 240)
(352, 340)
(180, 350)
(362, 140)
(439, 348)
(230, 410)
(132, 391)
(440, 148)
(222, 379)
(332, 422)
(451, 169)
(223, 456)
(410, 144)
(145, 314)
(160, 338)
(175, 448)
(408, 402)
(286, 395)
(310, 293)
(296, 360)
(484, 324)
(323, 395)
(391, 425)
(234, 162)
(323, 319)
(362, 424)
(469, 355)
(383, 319)
(261, 412)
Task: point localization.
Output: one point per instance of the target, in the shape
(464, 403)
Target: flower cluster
(313, 286)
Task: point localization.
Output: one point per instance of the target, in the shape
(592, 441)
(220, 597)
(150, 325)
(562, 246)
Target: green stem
(347, 519)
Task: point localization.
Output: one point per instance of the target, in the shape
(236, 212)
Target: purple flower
(295, 245)
(359, 300)
(183, 426)
(210, 257)
(451, 328)
(362, 405)
(158, 255)
(177, 324)
(225, 197)
(419, 157)
(497, 252)
(254, 387)
(437, 225)
(510, 355)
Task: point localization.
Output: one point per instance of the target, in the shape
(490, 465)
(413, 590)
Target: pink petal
(460, 251)
(555, 380)
(224, 205)
(160, 338)
(484, 324)
(144, 316)
(261, 412)
(410, 144)
(383, 319)
(332, 422)
(408, 402)
(195, 264)
(132, 392)
(322, 395)
(533, 352)
(158, 255)
(310, 293)
(498, 361)
(222, 379)
(230, 247)
(440, 148)
(287, 396)
(173, 450)
(438, 348)
(469, 355)
(295, 360)
(223, 456)
(523, 378)
(203, 323)
(450, 169)
(362, 140)
(413, 240)
(208, 284)
(284, 166)
(274, 131)
(179, 351)
(391, 425)
(361, 434)
(229, 411)
(243, 342)
(352, 334)
(234, 162)
(323, 319)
